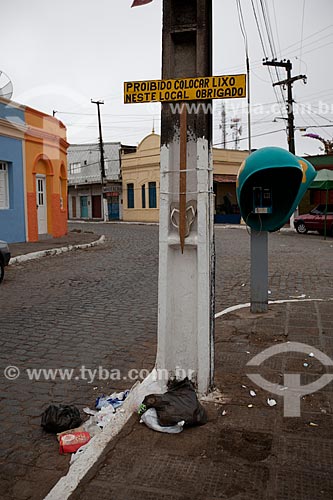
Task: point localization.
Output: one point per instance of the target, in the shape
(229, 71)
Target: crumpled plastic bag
(116, 399)
(60, 418)
(179, 403)
(151, 420)
(79, 452)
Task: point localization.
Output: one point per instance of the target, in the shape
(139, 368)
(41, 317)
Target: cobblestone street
(99, 308)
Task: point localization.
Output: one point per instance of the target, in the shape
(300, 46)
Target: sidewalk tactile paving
(305, 453)
(294, 484)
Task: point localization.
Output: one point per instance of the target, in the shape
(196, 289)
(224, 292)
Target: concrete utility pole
(289, 82)
(223, 126)
(101, 148)
(186, 315)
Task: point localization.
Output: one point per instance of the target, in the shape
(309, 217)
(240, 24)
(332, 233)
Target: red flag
(137, 3)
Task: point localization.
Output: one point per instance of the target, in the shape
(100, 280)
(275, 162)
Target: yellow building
(226, 163)
(141, 182)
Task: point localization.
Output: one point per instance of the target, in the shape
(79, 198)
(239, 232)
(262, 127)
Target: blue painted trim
(12, 220)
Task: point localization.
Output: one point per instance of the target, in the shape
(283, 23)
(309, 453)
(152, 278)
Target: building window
(143, 195)
(152, 194)
(75, 168)
(130, 195)
(4, 189)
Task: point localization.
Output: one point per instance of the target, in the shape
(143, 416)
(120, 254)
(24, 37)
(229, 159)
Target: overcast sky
(60, 54)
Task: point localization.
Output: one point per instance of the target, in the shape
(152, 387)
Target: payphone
(270, 184)
(262, 200)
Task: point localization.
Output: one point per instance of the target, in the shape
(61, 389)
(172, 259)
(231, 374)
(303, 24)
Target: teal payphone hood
(284, 174)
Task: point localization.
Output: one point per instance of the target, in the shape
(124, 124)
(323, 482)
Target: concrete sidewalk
(248, 450)
(74, 237)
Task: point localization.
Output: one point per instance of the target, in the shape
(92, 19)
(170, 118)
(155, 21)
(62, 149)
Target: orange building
(45, 149)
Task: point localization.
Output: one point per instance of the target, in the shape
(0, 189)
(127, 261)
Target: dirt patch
(248, 445)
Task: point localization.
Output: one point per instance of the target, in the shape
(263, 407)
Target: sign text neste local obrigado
(185, 89)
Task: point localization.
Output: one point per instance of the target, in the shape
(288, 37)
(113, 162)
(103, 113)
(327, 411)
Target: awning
(224, 178)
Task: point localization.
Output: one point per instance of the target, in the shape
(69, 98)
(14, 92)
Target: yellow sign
(185, 89)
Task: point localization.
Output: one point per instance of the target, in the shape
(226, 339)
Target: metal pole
(259, 271)
(325, 227)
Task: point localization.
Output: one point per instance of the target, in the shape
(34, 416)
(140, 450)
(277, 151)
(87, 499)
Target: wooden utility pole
(101, 148)
(290, 110)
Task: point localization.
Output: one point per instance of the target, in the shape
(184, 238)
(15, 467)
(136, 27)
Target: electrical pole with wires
(223, 126)
(101, 147)
(290, 110)
(243, 30)
(236, 128)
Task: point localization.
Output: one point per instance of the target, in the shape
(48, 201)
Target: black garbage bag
(60, 418)
(180, 402)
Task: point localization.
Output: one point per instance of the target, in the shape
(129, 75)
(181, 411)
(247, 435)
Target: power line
(318, 126)
(104, 114)
(265, 54)
(300, 52)
(307, 37)
(314, 126)
(257, 62)
(321, 116)
(269, 32)
(276, 27)
(257, 135)
(243, 30)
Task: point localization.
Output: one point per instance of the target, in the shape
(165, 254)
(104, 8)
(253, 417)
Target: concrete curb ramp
(54, 251)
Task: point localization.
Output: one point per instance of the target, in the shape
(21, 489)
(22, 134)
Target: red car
(315, 220)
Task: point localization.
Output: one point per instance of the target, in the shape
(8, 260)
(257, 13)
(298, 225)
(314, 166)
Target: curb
(243, 226)
(141, 223)
(116, 222)
(54, 251)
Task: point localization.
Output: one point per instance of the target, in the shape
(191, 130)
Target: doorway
(41, 203)
(113, 207)
(96, 207)
(84, 207)
(74, 207)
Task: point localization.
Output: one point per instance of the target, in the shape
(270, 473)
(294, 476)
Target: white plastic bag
(151, 420)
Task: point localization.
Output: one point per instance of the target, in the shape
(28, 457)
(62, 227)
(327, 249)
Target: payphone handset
(262, 200)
